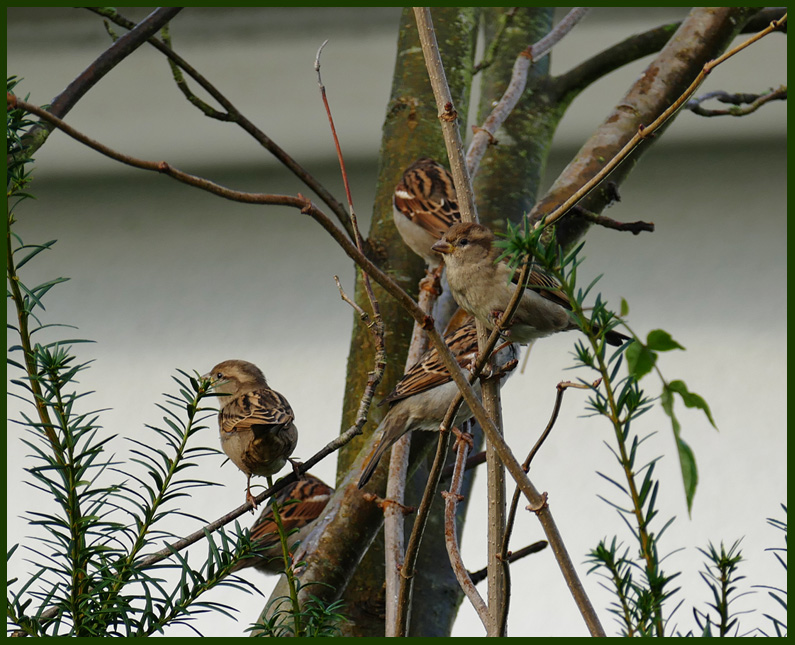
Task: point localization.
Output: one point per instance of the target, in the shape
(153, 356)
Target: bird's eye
(219, 375)
(463, 242)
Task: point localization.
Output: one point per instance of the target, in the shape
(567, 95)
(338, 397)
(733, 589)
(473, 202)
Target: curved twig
(742, 104)
(451, 499)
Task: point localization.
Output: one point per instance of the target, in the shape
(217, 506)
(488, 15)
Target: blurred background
(164, 277)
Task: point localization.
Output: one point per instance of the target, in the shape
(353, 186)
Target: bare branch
(513, 556)
(451, 499)
(752, 102)
(633, 227)
(545, 45)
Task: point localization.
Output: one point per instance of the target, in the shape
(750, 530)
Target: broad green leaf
(624, 308)
(691, 399)
(687, 461)
(661, 340)
(640, 360)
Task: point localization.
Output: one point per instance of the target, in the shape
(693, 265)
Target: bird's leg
(460, 435)
(496, 319)
(249, 497)
(432, 280)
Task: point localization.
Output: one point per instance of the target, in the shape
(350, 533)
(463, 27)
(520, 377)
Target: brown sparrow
(256, 423)
(424, 393)
(300, 503)
(424, 207)
(482, 286)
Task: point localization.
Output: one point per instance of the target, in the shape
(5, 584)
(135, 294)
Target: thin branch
(451, 500)
(536, 547)
(567, 23)
(237, 117)
(447, 115)
(752, 102)
(463, 187)
(633, 227)
(627, 51)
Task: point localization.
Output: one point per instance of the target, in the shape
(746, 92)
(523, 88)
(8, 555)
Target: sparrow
(256, 423)
(424, 207)
(300, 503)
(424, 393)
(482, 286)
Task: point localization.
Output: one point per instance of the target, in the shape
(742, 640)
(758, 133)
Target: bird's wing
(260, 409)
(427, 197)
(311, 496)
(429, 371)
(545, 286)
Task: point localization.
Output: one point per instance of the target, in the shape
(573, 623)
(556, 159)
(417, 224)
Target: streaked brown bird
(300, 504)
(422, 396)
(256, 423)
(424, 207)
(482, 286)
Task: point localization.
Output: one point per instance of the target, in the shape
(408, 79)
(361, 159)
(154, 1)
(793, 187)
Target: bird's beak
(442, 246)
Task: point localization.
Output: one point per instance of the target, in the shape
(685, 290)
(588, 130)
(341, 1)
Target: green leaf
(640, 359)
(624, 308)
(687, 462)
(691, 399)
(661, 340)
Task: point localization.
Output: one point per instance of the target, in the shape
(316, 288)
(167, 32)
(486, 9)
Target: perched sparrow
(425, 206)
(482, 286)
(300, 504)
(256, 422)
(421, 397)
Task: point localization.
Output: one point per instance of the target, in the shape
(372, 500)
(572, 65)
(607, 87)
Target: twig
(451, 499)
(513, 556)
(636, 47)
(633, 227)
(447, 115)
(493, 435)
(753, 102)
